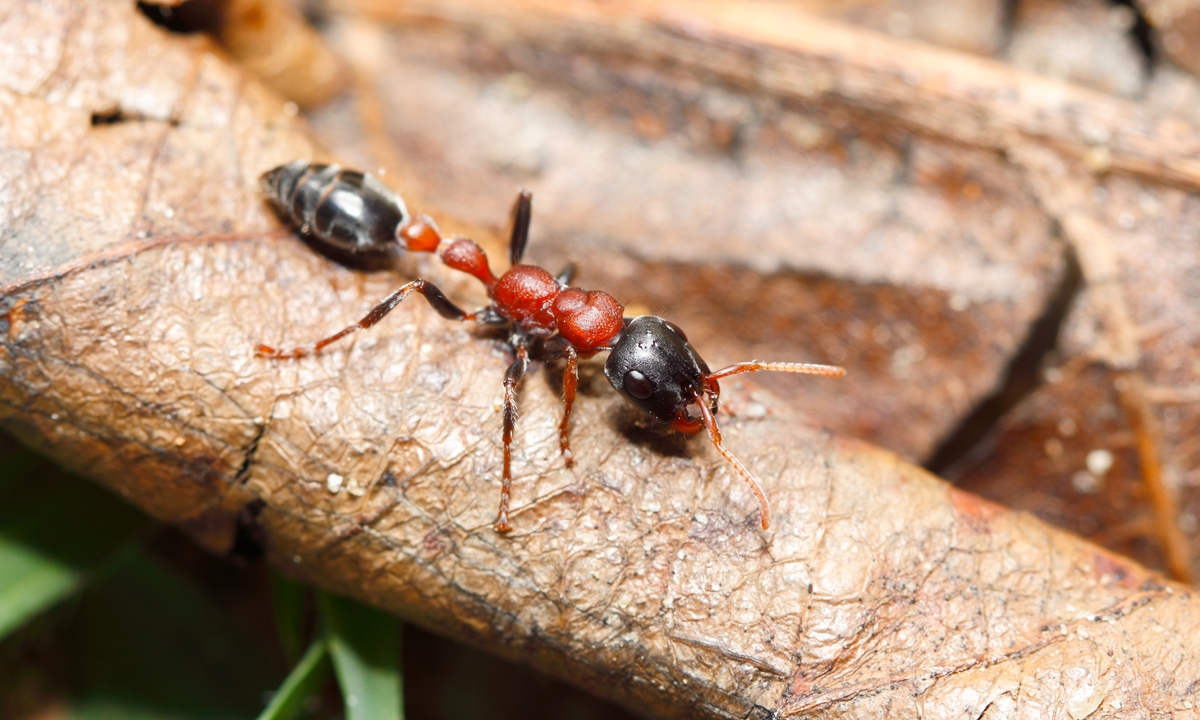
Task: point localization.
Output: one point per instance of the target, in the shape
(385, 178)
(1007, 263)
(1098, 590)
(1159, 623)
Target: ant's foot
(266, 351)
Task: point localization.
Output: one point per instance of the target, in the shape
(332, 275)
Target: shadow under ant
(639, 429)
(633, 425)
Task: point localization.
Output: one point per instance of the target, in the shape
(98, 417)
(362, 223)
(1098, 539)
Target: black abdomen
(346, 215)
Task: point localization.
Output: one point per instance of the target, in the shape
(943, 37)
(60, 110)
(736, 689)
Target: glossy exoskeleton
(655, 368)
(346, 215)
(651, 363)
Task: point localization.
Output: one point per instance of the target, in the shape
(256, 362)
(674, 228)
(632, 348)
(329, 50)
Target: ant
(359, 221)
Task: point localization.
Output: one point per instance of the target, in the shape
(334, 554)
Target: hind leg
(440, 302)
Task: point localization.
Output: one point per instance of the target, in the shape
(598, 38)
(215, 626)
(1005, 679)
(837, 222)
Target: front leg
(557, 346)
(512, 377)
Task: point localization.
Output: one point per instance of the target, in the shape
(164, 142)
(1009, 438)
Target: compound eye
(676, 329)
(638, 385)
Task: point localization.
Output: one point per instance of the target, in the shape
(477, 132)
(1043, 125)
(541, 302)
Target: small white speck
(334, 482)
(1099, 462)
(1085, 482)
(755, 410)
(959, 302)
(701, 518)
(291, 109)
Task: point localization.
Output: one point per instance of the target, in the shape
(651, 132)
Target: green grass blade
(55, 529)
(365, 646)
(302, 682)
(29, 583)
(287, 601)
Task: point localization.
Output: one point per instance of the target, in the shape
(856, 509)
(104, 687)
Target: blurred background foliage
(106, 614)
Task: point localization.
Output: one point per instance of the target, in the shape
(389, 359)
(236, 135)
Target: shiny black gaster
(345, 215)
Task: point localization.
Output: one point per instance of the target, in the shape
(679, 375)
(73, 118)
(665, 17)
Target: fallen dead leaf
(139, 267)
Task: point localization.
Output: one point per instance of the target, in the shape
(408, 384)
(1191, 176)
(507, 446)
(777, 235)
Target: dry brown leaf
(899, 209)
(139, 267)
(270, 39)
(1179, 23)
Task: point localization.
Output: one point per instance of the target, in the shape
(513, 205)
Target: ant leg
(570, 382)
(488, 316)
(515, 372)
(566, 275)
(558, 346)
(522, 213)
(440, 303)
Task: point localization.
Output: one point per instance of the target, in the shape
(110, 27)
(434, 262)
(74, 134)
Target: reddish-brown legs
(557, 347)
(440, 302)
(570, 382)
(512, 377)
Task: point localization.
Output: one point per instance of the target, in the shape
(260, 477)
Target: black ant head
(655, 368)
